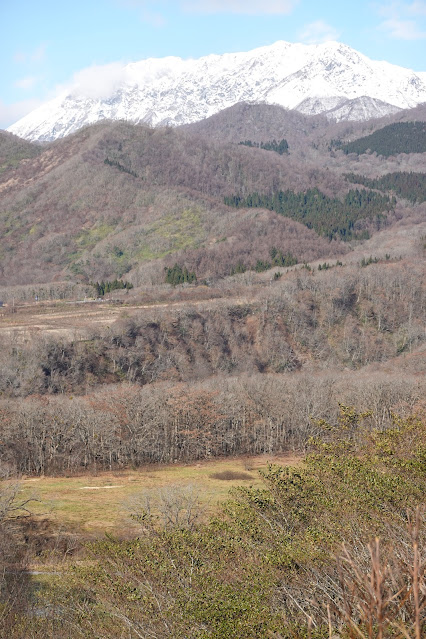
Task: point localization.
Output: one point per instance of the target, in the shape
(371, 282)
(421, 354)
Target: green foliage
(279, 147)
(120, 167)
(409, 185)
(366, 261)
(88, 238)
(277, 258)
(102, 288)
(179, 275)
(329, 217)
(239, 268)
(265, 565)
(369, 260)
(355, 483)
(326, 266)
(401, 137)
(172, 232)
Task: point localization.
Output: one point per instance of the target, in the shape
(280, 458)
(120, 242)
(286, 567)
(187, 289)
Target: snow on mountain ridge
(311, 78)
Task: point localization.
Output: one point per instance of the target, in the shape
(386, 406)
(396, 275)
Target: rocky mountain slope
(329, 78)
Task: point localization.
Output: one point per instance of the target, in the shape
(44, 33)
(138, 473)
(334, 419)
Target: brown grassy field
(76, 320)
(90, 505)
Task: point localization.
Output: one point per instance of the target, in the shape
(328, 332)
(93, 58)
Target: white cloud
(417, 8)
(399, 22)
(26, 83)
(20, 57)
(318, 32)
(11, 113)
(248, 7)
(402, 29)
(98, 81)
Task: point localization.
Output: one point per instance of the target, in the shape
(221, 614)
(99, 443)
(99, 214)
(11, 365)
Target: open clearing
(76, 320)
(93, 504)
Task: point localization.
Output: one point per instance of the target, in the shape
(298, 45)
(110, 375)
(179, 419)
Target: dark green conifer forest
(409, 185)
(400, 137)
(280, 147)
(329, 217)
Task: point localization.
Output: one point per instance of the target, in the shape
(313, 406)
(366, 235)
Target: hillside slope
(113, 195)
(13, 149)
(117, 199)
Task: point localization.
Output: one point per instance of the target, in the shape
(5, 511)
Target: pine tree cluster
(102, 288)
(278, 147)
(409, 185)
(329, 217)
(179, 275)
(120, 167)
(401, 137)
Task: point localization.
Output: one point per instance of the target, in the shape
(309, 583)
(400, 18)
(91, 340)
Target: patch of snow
(170, 91)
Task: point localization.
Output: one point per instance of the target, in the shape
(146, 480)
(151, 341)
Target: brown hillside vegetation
(13, 150)
(343, 316)
(188, 377)
(310, 137)
(263, 122)
(151, 336)
(115, 196)
(260, 123)
(69, 212)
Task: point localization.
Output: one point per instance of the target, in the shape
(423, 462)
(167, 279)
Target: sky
(47, 44)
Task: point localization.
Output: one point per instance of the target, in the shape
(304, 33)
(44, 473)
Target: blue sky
(45, 42)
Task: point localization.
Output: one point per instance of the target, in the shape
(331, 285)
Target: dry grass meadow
(90, 504)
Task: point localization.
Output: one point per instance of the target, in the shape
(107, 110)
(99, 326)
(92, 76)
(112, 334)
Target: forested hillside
(327, 216)
(280, 147)
(172, 299)
(115, 196)
(340, 318)
(401, 137)
(411, 186)
(99, 203)
(14, 149)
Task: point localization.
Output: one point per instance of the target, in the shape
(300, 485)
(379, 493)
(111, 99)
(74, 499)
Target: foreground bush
(273, 564)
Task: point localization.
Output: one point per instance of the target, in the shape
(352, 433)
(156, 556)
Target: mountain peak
(172, 91)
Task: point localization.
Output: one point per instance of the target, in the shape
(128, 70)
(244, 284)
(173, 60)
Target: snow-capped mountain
(328, 78)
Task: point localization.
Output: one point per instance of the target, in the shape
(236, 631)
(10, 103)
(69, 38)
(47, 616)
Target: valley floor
(88, 505)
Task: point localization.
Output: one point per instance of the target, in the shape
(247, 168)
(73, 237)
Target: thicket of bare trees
(343, 317)
(164, 422)
(252, 240)
(41, 292)
(14, 552)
